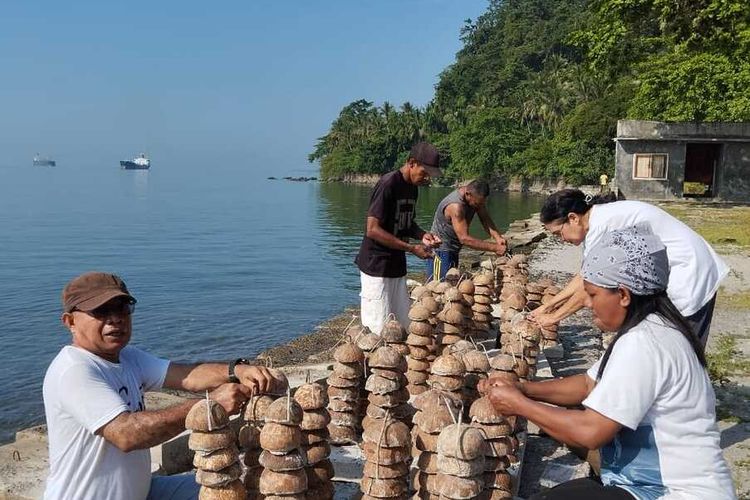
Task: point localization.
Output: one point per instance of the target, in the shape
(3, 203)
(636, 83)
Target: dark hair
(558, 205)
(479, 187)
(643, 305)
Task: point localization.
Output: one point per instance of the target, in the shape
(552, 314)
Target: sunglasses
(120, 308)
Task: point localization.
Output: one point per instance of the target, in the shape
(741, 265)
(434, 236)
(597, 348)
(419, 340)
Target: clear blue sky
(257, 81)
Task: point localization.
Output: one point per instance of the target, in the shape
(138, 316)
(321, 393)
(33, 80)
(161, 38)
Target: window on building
(650, 166)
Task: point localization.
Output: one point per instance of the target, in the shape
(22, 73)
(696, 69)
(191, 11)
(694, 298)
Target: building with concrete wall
(669, 161)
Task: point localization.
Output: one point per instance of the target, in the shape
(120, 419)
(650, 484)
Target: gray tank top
(442, 226)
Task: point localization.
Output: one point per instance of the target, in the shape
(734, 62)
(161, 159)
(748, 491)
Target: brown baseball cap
(93, 289)
(428, 156)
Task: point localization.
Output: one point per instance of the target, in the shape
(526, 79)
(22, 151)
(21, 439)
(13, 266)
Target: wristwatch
(232, 377)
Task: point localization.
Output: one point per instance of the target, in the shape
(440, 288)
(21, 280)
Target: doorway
(701, 160)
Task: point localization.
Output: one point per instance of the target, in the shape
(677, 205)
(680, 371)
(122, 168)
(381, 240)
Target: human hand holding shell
(230, 396)
(260, 380)
(505, 397)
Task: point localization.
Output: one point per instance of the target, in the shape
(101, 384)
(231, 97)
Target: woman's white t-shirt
(695, 270)
(655, 387)
(82, 393)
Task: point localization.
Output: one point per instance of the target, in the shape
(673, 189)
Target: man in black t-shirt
(390, 224)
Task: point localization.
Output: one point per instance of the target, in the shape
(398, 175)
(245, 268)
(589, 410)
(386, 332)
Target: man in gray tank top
(451, 223)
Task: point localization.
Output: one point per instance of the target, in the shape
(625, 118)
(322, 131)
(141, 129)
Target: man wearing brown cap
(99, 429)
(391, 222)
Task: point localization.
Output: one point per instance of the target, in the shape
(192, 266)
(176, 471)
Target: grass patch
(719, 225)
(740, 300)
(725, 360)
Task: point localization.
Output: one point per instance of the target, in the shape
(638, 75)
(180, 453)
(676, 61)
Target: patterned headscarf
(633, 257)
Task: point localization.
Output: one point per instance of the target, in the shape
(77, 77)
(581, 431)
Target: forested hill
(539, 85)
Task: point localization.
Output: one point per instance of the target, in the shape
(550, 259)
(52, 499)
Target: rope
(209, 418)
(377, 450)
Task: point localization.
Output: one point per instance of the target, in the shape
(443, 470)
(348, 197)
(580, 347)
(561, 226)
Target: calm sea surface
(224, 263)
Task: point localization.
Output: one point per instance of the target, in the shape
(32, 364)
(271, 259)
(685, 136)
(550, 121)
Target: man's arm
(144, 429)
(456, 215)
(376, 232)
(489, 226)
(208, 376)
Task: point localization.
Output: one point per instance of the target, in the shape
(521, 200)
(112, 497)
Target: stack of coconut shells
(549, 333)
(436, 409)
(312, 398)
(460, 462)
(483, 297)
(249, 440)
(422, 347)
(283, 457)
(477, 365)
(453, 319)
(216, 456)
(385, 445)
(507, 367)
(497, 432)
(386, 388)
(345, 386)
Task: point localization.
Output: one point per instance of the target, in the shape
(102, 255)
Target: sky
(250, 83)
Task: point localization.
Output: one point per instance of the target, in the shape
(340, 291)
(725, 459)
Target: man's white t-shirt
(695, 270)
(655, 387)
(82, 392)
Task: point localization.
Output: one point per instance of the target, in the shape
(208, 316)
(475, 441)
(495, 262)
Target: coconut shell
(367, 342)
(427, 462)
(219, 478)
(284, 411)
(429, 483)
(421, 352)
(317, 452)
(402, 412)
(389, 374)
(417, 340)
(492, 464)
(256, 407)
(454, 317)
(380, 385)
(447, 339)
(482, 308)
(415, 389)
(483, 412)
(452, 294)
(466, 286)
(211, 441)
(282, 483)
(483, 279)
(335, 381)
(311, 396)
(494, 431)
(419, 313)
(341, 406)
(498, 480)
(205, 416)
(251, 457)
(301, 496)
(281, 463)
(232, 491)
(342, 435)
(348, 353)
(432, 422)
(460, 468)
(319, 473)
(417, 378)
(446, 383)
(502, 362)
(216, 460)
(249, 436)
(459, 488)
(499, 447)
(388, 358)
(448, 365)
(419, 291)
(421, 328)
(461, 441)
(385, 456)
(279, 438)
(348, 370)
(314, 420)
(481, 317)
(402, 349)
(350, 394)
(387, 434)
(430, 304)
(476, 361)
(392, 331)
(385, 471)
(447, 328)
(344, 418)
(425, 442)
(435, 400)
(389, 400)
(489, 494)
(383, 488)
(482, 299)
(314, 437)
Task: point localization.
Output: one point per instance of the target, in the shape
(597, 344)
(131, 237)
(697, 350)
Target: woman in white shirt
(695, 269)
(647, 403)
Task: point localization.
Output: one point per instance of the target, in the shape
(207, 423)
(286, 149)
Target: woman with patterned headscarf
(648, 404)
(583, 220)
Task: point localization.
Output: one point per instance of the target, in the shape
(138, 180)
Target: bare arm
(461, 228)
(582, 428)
(208, 376)
(566, 391)
(489, 225)
(376, 232)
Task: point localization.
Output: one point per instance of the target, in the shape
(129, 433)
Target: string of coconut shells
(313, 399)
(216, 455)
(385, 446)
(386, 387)
(497, 431)
(461, 451)
(345, 385)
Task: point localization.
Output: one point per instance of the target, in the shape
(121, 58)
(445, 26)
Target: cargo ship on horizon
(40, 161)
(140, 163)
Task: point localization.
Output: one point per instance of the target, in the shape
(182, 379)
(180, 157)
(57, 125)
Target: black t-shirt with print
(393, 203)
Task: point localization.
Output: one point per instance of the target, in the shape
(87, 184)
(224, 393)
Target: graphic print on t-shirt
(404, 218)
(134, 406)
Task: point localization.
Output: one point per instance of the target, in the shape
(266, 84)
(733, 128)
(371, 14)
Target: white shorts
(381, 297)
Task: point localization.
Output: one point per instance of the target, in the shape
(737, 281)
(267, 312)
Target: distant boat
(40, 161)
(140, 163)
